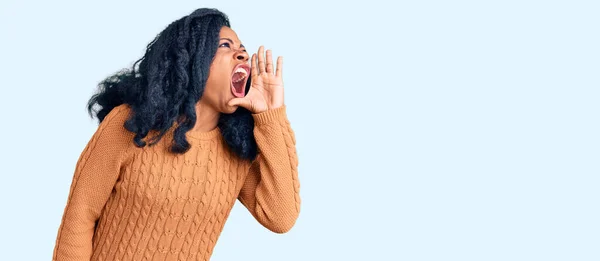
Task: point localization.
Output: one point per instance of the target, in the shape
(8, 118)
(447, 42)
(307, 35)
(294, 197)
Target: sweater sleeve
(271, 189)
(95, 175)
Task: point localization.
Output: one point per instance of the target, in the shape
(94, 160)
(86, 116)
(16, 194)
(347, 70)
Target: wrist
(270, 115)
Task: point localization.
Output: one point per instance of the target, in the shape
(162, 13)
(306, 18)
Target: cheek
(219, 78)
(217, 85)
(219, 72)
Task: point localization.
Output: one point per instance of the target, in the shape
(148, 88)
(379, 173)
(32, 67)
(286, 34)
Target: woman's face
(228, 74)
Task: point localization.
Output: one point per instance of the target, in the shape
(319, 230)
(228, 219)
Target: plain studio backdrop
(427, 130)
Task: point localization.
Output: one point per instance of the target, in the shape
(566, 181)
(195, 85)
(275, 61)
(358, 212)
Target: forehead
(227, 32)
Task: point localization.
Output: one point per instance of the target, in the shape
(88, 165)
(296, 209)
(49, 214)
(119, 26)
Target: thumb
(244, 102)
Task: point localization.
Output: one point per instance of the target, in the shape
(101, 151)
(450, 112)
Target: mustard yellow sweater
(130, 203)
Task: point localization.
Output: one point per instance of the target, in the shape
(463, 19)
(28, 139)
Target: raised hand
(266, 87)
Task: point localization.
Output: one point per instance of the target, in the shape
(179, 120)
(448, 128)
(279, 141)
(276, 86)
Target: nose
(242, 56)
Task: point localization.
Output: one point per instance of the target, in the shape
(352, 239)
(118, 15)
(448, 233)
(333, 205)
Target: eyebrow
(231, 41)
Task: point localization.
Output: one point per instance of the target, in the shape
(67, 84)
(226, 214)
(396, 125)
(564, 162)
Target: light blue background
(427, 130)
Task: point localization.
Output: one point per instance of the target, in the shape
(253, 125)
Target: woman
(181, 137)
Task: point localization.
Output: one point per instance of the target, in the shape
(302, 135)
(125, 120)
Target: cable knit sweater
(130, 203)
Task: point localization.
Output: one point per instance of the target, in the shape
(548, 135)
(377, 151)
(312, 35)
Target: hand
(266, 87)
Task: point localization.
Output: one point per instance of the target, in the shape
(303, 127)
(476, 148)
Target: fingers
(279, 66)
(269, 62)
(261, 64)
(254, 68)
(261, 59)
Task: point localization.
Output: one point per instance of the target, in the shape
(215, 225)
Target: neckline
(204, 135)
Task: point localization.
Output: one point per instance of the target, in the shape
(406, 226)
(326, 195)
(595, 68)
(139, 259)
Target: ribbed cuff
(269, 116)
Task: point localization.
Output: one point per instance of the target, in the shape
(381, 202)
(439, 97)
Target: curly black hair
(164, 86)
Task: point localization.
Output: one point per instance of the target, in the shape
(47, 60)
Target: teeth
(243, 76)
(241, 70)
(240, 79)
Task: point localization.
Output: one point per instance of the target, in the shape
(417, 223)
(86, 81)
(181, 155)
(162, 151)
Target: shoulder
(112, 132)
(118, 115)
(115, 120)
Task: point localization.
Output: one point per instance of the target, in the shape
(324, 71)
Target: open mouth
(239, 78)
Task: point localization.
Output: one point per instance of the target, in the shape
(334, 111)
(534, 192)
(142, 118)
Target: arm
(271, 189)
(96, 172)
